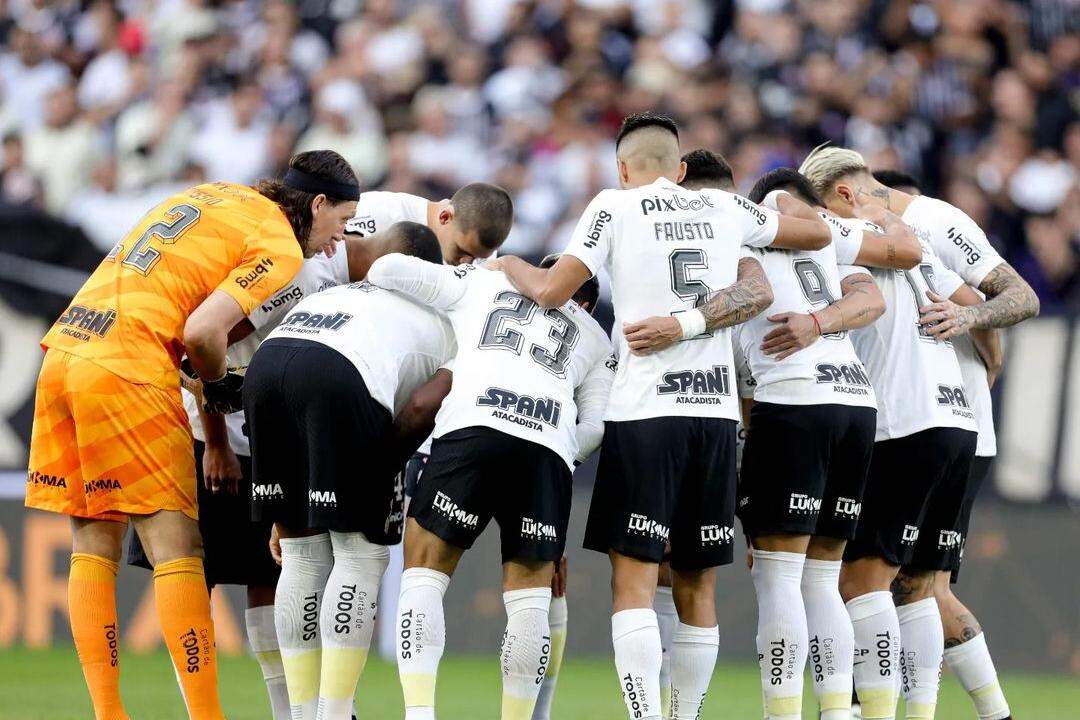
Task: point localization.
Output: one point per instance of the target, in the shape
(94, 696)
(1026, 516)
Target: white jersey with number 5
(519, 369)
(668, 249)
(916, 377)
(963, 248)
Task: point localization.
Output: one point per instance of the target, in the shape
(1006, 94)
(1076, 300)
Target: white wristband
(770, 200)
(692, 323)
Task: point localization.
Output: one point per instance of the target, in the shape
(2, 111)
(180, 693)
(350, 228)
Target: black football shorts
(666, 479)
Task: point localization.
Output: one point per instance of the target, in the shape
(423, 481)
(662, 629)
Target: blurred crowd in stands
(108, 106)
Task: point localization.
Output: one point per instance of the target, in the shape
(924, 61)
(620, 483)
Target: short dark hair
(639, 121)
(486, 209)
(705, 169)
(788, 179)
(895, 178)
(416, 239)
(296, 204)
(589, 293)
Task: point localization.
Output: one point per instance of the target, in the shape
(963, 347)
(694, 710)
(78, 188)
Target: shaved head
(647, 148)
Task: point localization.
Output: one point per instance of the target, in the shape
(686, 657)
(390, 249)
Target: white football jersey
(828, 371)
(668, 249)
(316, 274)
(378, 210)
(395, 343)
(963, 248)
(916, 377)
(520, 369)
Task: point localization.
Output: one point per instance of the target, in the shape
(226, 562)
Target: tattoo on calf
(969, 629)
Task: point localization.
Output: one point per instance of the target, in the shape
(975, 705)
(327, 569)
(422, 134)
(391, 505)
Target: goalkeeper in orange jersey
(111, 441)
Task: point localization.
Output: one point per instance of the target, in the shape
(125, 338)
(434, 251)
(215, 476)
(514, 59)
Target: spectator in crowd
(978, 100)
(62, 152)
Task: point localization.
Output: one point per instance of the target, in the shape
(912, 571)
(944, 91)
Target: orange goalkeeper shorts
(105, 448)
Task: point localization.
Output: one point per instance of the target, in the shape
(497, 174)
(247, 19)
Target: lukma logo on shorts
(642, 525)
(848, 507)
(910, 535)
(323, 498)
(535, 530)
(697, 387)
(450, 509)
(101, 485)
(949, 539)
(717, 535)
(802, 504)
(270, 490)
(33, 477)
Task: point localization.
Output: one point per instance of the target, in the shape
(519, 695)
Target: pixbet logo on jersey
(521, 409)
(253, 277)
(674, 203)
(697, 387)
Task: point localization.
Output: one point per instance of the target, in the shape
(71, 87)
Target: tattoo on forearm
(738, 303)
(1009, 299)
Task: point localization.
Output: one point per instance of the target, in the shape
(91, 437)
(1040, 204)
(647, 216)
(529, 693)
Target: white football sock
(526, 649)
(667, 618)
(347, 620)
(421, 633)
(877, 649)
(693, 659)
(832, 639)
(922, 644)
(305, 565)
(973, 667)
(782, 635)
(262, 637)
(557, 620)
(636, 639)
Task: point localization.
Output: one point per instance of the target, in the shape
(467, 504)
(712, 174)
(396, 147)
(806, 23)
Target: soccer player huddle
(320, 334)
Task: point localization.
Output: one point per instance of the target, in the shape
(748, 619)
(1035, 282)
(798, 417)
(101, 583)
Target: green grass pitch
(48, 685)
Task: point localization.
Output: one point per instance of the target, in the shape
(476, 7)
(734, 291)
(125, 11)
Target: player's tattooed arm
(895, 247)
(1009, 300)
(861, 305)
(750, 294)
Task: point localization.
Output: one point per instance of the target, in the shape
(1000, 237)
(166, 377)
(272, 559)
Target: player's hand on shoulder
(221, 469)
(793, 332)
(652, 334)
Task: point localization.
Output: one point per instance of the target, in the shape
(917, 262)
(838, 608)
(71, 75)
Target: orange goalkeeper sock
(183, 606)
(92, 607)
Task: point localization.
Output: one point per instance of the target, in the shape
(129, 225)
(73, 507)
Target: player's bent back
(111, 370)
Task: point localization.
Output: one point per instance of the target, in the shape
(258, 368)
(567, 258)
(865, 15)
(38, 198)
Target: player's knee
(169, 536)
(425, 549)
(825, 548)
(865, 575)
(523, 574)
(102, 538)
(694, 592)
(633, 582)
(912, 586)
(361, 552)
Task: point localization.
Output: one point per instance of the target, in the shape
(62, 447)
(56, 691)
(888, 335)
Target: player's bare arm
(748, 296)
(987, 341)
(798, 233)
(206, 336)
(1010, 300)
(895, 247)
(551, 287)
(861, 304)
(416, 419)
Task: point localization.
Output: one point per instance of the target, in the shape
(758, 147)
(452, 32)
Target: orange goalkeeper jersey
(129, 316)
